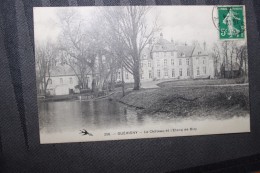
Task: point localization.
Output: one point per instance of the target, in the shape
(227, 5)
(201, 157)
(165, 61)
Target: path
(153, 84)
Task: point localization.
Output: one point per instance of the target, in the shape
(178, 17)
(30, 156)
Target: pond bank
(188, 101)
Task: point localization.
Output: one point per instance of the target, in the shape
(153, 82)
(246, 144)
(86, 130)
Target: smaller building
(63, 81)
(230, 71)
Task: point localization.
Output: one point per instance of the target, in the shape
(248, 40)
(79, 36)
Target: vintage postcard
(129, 72)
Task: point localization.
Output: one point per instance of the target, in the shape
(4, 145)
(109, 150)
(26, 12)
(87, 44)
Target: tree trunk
(112, 86)
(93, 85)
(245, 68)
(136, 77)
(44, 86)
(231, 66)
(123, 82)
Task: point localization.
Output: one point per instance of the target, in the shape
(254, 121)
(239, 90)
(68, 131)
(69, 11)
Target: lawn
(221, 101)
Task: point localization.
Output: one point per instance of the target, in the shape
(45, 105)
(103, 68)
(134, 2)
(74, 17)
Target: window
(50, 81)
(126, 75)
(144, 56)
(198, 71)
(165, 62)
(142, 74)
(119, 75)
(180, 62)
(61, 81)
(150, 74)
(204, 70)
(199, 53)
(158, 63)
(172, 53)
(204, 60)
(141, 64)
(198, 60)
(71, 81)
(173, 73)
(149, 63)
(172, 61)
(187, 61)
(165, 72)
(188, 71)
(165, 54)
(158, 73)
(180, 72)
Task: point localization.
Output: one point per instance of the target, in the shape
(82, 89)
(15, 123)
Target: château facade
(165, 60)
(161, 60)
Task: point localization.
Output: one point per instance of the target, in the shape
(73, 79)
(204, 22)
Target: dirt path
(223, 85)
(154, 84)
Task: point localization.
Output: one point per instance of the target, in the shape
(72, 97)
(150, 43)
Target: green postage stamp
(231, 22)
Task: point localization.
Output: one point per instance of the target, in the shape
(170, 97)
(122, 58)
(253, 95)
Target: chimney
(161, 35)
(204, 45)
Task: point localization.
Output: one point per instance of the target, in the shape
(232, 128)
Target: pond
(75, 115)
(62, 122)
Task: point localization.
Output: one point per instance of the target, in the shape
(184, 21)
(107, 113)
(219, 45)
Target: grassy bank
(187, 101)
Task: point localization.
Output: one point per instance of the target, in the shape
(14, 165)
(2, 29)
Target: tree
(75, 46)
(99, 44)
(241, 57)
(118, 54)
(228, 52)
(130, 25)
(216, 58)
(45, 56)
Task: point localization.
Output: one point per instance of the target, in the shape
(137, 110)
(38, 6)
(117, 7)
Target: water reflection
(74, 115)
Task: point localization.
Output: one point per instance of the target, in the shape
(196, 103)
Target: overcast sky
(180, 23)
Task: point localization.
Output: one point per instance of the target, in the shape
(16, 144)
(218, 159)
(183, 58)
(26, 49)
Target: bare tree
(75, 46)
(119, 59)
(45, 55)
(241, 57)
(228, 51)
(99, 43)
(216, 58)
(129, 23)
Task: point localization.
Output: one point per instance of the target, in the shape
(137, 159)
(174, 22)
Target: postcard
(134, 72)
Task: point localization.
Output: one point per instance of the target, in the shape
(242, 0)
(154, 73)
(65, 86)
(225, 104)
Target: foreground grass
(220, 101)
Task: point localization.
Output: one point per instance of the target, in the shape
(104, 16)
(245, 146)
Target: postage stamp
(231, 22)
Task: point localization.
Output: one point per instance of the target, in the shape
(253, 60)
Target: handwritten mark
(85, 132)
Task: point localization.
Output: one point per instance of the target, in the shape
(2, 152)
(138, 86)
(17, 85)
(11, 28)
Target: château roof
(162, 41)
(146, 51)
(184, 51)
(163, 45)
(199, 51)
(62, 70)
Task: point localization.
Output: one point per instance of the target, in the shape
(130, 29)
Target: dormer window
(182, 54)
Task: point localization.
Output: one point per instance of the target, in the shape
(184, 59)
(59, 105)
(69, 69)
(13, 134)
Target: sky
(180, 23)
